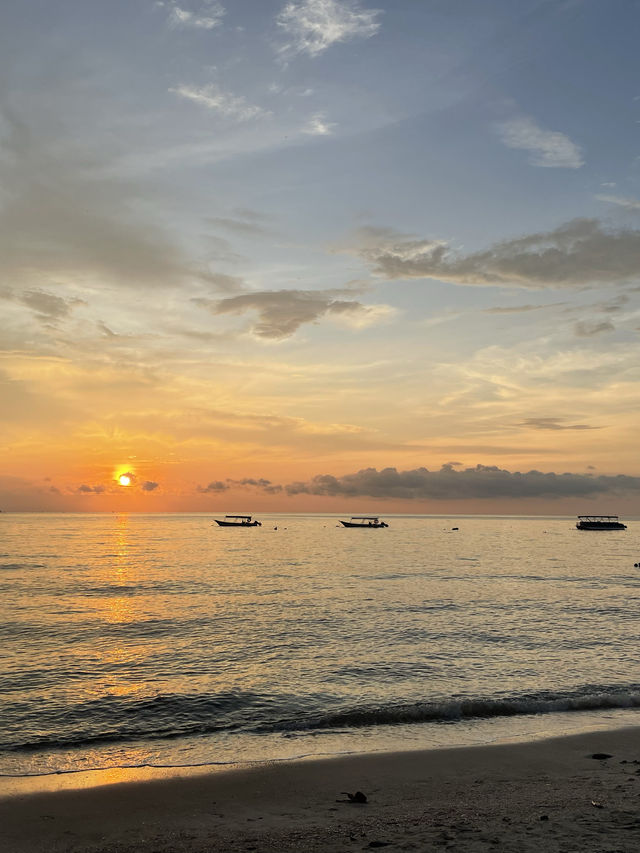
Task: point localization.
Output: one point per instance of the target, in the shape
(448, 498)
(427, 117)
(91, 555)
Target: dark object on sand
(358, 797)
(601, 755)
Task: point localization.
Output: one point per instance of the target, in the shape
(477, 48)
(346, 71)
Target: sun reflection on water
(122, 545)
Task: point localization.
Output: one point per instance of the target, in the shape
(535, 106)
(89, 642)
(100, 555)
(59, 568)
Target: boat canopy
(364, 518)
(246, 517)
(598, 517)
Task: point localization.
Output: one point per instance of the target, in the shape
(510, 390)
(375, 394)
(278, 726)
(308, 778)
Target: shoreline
(543, 794)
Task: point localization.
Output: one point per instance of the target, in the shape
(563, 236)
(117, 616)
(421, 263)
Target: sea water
(163, 640)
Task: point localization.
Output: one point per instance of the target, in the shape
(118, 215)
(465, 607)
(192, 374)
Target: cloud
(613, 305)
(282, 312)
(584, 329)
(225, 104)
(204, 15)
(65, 221)
(517, 309)
(312, 26)
(479, 482)
(318, 126)
(552, 424)
(547, 148)
(263, 485)
(215, 486)
(94, 490)
(149, 486)
(48, 305)
(620, 201)
(576, 253)
(225, 282)
(244, 226)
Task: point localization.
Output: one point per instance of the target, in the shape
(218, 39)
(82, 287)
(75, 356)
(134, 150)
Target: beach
(163, 696)
(550, 795)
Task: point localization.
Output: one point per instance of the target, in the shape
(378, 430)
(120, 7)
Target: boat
(237, 521)
(364, 521)
(600, 522)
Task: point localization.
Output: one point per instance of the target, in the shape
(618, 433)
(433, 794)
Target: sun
(124, 480)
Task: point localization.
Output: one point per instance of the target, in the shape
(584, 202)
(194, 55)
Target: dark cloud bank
(483, 481)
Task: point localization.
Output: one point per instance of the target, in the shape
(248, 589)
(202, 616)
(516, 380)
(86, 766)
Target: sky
(320, 255)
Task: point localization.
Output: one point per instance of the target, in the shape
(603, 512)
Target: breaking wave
(116, 720)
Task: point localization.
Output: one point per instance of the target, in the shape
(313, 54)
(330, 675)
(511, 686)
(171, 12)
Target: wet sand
(541, 796)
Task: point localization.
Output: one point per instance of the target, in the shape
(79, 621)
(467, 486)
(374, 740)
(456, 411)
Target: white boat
(237, 521)
(366, 521)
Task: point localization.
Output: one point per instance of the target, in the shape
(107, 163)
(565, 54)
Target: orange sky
(249, 255)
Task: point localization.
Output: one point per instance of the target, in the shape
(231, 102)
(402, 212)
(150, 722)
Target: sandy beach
(550, 795)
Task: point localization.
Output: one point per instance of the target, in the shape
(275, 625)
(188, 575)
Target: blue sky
(247, 241)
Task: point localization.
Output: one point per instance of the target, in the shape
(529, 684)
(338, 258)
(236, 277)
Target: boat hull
(363, 526)
(238, 523)
(601, 525)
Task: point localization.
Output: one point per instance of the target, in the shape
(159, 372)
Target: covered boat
(600, 522)
(237, 521)
(364, 521)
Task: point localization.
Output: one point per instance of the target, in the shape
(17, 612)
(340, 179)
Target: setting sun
(124, 479)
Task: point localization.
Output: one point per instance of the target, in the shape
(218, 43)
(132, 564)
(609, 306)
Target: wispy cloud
(574, 254)
(48, 238)
(552, 424)
(318, 126)
(620, 201)
(203, 15)
(312, 26)
(518, 309)
(224, 103)
(547, 148)
(242, 225)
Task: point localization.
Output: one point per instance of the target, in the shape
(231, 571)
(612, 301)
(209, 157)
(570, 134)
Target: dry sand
(543, 796)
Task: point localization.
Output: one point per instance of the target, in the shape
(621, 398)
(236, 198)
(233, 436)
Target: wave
(115, 719)
(453, 710)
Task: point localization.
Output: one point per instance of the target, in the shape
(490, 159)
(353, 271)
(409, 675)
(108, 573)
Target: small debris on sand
(358, 797)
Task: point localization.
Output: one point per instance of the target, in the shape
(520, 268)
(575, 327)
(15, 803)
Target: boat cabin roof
(247, 517)
(598, 517)
(364, 518)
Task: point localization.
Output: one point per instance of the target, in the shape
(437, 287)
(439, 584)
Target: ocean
(131, 641)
